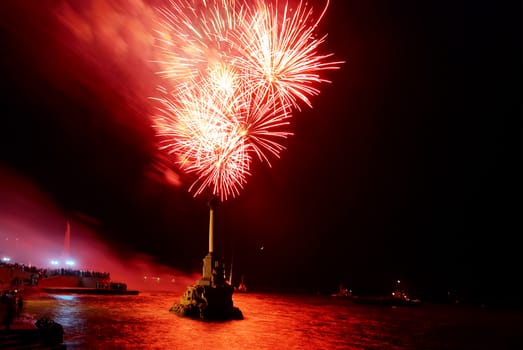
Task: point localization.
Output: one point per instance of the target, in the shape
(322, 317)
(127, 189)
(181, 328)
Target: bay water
(275, 321)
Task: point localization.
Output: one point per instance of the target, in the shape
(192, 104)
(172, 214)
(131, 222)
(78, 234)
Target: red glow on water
(288, 321)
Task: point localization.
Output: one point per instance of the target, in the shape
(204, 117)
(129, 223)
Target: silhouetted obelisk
(208, 261)
(67, 240)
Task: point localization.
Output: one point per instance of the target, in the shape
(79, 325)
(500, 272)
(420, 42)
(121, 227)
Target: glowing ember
(233, 72)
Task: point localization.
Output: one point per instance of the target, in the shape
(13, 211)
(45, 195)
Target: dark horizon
(407, 167)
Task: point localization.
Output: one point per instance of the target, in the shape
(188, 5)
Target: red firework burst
(233, 72)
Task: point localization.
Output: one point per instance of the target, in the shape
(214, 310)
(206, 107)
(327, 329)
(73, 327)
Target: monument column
(206, 279)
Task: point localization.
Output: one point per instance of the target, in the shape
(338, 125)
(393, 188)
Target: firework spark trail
(193, 35)
(233, 72)
(281, 53)
(208, 142)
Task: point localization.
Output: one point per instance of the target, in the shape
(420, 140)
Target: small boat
(242, 288)
(399, 297)
(342, 292)
(385, 300)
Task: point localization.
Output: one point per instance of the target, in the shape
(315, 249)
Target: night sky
(407, 167)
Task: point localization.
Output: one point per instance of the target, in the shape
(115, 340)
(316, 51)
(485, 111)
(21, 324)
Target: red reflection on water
(279, 322)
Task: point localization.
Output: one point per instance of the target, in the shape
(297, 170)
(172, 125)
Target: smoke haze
(32, 231)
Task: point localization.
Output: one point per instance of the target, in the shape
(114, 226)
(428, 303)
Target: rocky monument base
(211, 297)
